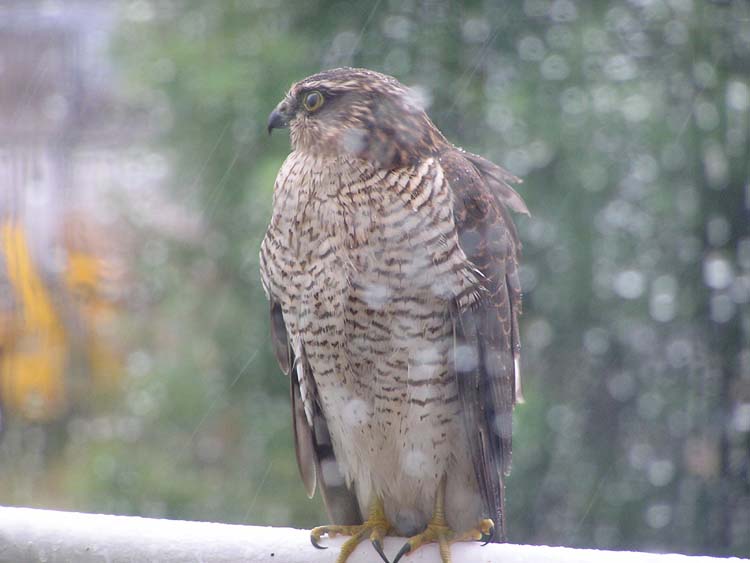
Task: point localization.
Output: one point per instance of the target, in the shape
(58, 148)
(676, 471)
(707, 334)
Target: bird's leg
(439, 532)
(376, 527)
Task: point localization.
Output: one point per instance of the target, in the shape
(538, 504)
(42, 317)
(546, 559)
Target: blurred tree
(629, 123)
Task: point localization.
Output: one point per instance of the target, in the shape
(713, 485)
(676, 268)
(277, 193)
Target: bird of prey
(391, 267)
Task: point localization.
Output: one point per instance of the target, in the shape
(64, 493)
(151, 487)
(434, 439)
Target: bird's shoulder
(482, 197)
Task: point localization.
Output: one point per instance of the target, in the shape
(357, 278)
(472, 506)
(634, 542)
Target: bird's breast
(366, 263)
(377, 245)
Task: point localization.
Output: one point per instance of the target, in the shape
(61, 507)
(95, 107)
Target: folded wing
(486, 339)
(315, 457)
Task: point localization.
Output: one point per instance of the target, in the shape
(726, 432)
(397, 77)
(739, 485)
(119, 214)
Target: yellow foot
(376, 527)
(439, 532)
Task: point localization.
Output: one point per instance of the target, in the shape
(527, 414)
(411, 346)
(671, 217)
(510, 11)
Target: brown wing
(312, 443)
(486, 340)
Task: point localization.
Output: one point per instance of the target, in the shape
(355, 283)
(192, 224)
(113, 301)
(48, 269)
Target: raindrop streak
(216, 399)
(364, 27)
(257, 491)
(208, 158)
(597, 492)
(464, 80)
(214, 196)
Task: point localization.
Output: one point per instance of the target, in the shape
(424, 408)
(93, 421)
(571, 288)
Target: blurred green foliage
(628, 122)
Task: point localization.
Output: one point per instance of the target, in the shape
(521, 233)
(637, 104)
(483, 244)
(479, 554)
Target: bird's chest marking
(322, 219)
(369, 256)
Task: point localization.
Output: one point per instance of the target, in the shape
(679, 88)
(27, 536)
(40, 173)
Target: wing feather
(315, 457)
(487, 329)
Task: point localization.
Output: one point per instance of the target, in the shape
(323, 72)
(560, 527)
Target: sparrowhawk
(391, 267)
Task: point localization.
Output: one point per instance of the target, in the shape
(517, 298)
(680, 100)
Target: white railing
(55, 537)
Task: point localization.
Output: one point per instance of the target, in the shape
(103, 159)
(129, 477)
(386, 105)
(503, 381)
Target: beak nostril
(280, 116)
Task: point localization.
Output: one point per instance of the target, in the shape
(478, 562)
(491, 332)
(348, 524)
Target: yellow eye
(313, 100)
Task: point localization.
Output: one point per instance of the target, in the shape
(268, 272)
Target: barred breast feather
(393, 299)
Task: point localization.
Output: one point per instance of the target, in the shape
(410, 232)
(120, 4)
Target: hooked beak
(278, 118)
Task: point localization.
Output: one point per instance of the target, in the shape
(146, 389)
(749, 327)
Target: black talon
(378, 545)
(403, 551)
(315, 543)
(487, 538)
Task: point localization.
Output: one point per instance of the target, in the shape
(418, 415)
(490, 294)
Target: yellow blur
(36, 346)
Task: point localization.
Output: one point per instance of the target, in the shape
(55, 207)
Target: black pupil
(312, 99)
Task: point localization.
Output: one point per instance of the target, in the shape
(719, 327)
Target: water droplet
(717, 272)
(738, 95)
(397, 27)
(722, 308)
(330, 474)
(629, 284)
(658, 515)
(706, 116)
(741, 418)
(476, 30)
(636, 108)
(555, 67)
(621, 386)
(620, 68)
(718, 230)
(355, 413)
(375, 295)
(663, 302)
(596, 341)
(415, 463)
(660, 472)
(465, 358)
(531, 48)
(353, 140)
(417, 98)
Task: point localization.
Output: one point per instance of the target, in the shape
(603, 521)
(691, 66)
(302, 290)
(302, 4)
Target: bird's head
(359, 112)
